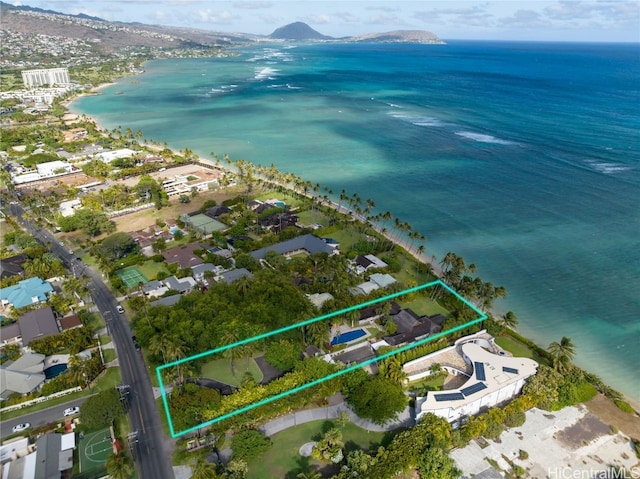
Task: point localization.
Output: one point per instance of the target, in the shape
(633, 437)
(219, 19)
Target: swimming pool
(348, 336)
(53, 371)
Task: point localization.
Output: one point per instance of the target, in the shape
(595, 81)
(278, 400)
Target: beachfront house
(492, 378)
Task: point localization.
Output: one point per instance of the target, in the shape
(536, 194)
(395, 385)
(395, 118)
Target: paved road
(152, 455)
(52, 414)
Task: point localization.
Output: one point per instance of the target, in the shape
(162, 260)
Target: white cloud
(252, 5)
(319, 19)
(346, 17)
(386, 19)
(208, 15)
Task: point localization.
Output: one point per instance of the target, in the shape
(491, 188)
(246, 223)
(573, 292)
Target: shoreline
(421, 257)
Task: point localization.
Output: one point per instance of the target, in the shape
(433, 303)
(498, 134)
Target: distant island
(300, 31)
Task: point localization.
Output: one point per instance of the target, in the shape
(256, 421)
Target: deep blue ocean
(524, 158)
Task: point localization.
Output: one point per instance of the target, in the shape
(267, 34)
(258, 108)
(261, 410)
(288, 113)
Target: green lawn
(516, 348)
(310, 217)
(284, 457)
(423, 305)
(220, 369)
(434, 384)
(345, 237)
(109, 355)
(151, 269)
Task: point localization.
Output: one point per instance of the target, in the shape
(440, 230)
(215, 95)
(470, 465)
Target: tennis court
(131, 277)
(204, 224)
(94, 448)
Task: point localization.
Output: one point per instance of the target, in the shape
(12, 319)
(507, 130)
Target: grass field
(220, 369)
(310, 217)
(516, 348)
(109, 355)
(284, 460)
(423, 305)
(151, 269)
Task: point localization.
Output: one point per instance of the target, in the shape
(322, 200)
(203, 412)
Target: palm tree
(119, 466)
(562, 352)
(510, 320)
(203, 470)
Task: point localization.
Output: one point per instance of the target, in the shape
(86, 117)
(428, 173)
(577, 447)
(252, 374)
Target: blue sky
(561, 20)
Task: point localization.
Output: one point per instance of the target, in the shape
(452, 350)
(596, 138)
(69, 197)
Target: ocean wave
(223, 89)
(482, 138)
(607, 168)
(415, 119)
(266, 72)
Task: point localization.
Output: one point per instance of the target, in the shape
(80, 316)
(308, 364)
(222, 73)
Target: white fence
(41, 399)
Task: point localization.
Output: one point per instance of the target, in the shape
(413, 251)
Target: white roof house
(67, 208)
(52, 168)
(109, 156)
(495, 378)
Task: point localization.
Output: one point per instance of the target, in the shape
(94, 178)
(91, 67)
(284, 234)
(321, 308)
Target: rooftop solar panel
(474, 388)
(479, 368)
(448, 397)
(509, 370)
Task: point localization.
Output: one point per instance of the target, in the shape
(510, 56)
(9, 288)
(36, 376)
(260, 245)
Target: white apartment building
(45, 77)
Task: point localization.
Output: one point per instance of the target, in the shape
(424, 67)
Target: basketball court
(94, 449)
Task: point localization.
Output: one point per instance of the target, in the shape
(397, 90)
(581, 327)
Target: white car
(21, 427)
(120, 309)
(71, 411)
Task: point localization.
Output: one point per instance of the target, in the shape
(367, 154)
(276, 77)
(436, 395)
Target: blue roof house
(25, 293)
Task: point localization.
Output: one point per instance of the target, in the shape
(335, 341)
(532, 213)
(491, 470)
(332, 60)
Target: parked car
(120, 309)
(21, 427)
(71, 411)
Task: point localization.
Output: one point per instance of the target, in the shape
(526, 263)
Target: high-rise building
(48, 77)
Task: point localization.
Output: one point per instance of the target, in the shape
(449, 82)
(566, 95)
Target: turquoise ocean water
(524, 158)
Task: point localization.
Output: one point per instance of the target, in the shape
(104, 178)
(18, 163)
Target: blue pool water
(348, 336)
(53, 371)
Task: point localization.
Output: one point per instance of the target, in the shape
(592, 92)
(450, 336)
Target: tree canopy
(100, 410)
(116, 246)
(379, 399)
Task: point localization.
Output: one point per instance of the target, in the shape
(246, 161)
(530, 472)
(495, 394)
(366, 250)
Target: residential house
(154, 288)
(308, 243)
(376, 281)
(25, 293)
(198, 271)
(184, 255)
(68, 208)
(109, 156)
(54, 455)
(52, 168)
(216, 211)
(10, 334)
(12, 266)
(70, 322)
(22, 376)
(411, 327)
(234, 275)
(363, 263)
(166, 301)
(181, 285)
(494, 379)
(318, 299)
(37, 324)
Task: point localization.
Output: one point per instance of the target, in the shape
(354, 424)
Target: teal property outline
(482, 316)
